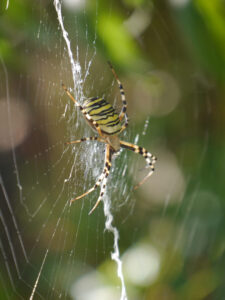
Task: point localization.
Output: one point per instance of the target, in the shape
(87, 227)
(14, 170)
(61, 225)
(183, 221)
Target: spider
(101, 116)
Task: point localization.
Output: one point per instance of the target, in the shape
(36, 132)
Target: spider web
(47, 176)
(46, 245)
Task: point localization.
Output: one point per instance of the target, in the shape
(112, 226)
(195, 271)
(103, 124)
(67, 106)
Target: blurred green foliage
(186, 41)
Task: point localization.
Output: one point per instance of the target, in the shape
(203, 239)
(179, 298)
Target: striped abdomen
(104, 114)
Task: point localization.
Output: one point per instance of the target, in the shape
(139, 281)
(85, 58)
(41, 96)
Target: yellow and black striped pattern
(102, 117)
(100, 111)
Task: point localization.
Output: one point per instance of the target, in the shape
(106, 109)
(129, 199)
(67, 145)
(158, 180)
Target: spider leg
(91, 138)
(123, 127)
(102, 179)
(102, 192)
(71, 97)
(149, 158)
(86, 116)
(105, 174)
(124, 108)
(97, 184)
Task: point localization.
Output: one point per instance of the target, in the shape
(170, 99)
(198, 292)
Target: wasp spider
(102, 117)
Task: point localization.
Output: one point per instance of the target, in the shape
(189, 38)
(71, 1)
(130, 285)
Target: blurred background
(170, 57)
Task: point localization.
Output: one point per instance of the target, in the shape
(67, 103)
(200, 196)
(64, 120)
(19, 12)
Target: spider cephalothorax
(102, 117)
